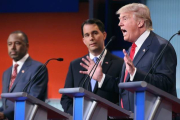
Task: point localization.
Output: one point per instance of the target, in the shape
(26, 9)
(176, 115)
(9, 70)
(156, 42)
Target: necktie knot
(95, 59)
(15, 66)
(134, 46)
(93, 82)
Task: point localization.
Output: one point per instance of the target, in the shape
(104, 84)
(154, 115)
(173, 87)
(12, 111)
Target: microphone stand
(41, 68)
(161, 54)
(96, 64)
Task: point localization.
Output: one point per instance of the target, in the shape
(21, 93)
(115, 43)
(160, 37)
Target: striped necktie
(93, 82)
(13, 76)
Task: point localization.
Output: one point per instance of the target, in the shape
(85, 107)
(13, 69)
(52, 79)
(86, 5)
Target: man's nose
(13, 46)
(91, 37)
(120, 23)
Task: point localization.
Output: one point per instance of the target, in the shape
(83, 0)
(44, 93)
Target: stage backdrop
(51, 35)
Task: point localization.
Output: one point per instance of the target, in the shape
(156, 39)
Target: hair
(140, 11)
(93, 21)
(24, 35)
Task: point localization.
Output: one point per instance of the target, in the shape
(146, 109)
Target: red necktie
(132, 57)
(13, 77)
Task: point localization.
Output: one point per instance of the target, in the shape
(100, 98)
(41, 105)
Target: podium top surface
(113, 109)
(22, 96)
(144, 86)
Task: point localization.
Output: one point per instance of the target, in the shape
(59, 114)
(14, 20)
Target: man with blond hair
(136, 26)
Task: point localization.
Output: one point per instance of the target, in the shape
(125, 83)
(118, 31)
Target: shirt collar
(142, 38)
(92, 56)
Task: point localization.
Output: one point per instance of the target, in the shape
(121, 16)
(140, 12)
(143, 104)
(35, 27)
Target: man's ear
(27, 45)
(83, 40)
(141, 23)
(105, 35)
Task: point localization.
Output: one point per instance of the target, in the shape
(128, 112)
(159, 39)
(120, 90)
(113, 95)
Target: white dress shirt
(139, 43)
(20, 63)
(102, 59)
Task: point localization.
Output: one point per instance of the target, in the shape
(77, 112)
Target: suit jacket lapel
(105, 66)
(144, 48)
(107, 62)
(24, 68)
(8, 79)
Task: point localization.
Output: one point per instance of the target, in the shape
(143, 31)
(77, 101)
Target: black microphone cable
(96, 64)
(158, 58)
(41, 68)
(161, 54)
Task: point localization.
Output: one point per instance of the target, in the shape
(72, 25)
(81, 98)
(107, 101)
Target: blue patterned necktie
(93, 82)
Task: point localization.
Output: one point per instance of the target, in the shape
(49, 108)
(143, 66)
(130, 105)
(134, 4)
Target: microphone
(96, 64)
(161, 54)
(178, 32)
(39, 70)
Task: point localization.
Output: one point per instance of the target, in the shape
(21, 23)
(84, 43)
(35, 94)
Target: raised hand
(89, 65)
(129, 64)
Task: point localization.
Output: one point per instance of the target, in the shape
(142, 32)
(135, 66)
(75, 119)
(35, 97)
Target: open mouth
(124, 32)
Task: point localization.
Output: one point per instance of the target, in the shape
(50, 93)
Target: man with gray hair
(136, 26)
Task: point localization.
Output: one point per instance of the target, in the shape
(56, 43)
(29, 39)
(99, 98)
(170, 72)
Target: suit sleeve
(163, 75)
(1, 107)
(67, 102)
(38, 88)
(9, 113)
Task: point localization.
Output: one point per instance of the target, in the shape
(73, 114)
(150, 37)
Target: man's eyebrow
(94, 31)
(123, 16)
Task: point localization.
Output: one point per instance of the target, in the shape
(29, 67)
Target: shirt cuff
(132, 76)
(101, 82)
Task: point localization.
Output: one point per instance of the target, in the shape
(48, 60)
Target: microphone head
(112, 38)
(178, 32)
(59, 59)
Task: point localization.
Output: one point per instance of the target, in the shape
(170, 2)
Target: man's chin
(93, 48)
(15, 58)
(125, 39)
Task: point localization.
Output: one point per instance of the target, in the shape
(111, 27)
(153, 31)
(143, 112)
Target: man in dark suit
(94, 36)
(136, 25)
(21, 72)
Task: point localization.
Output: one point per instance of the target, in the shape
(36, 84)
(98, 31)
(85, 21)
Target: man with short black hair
(20, 73)
(94, 35)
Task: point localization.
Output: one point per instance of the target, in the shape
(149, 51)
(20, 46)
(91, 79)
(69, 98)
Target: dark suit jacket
(38, 89)
(163, 75)
(112, 65)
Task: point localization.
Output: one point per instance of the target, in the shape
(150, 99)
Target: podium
(88, 106)
(27, 107)
(150, 102)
